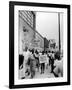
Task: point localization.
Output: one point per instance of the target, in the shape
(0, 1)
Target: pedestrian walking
(36, 55)
(49, 55)
(32, 64)
(42, 64)
(52, 61)
(26, 55)
(58, 63)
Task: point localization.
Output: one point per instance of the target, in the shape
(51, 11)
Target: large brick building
(39, 40)
(26, 29)
(28, 36)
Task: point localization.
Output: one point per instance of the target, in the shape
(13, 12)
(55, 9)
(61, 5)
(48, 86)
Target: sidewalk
(46, 74)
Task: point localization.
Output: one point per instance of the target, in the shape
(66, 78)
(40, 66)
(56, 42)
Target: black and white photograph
(41, 43)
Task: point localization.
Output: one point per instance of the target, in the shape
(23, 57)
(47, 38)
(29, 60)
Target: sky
(47, 25)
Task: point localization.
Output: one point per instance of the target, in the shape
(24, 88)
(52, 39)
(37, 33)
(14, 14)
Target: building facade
(52, 45)
(28, 36)
(46, 44)
(39, 39)
(26, 29)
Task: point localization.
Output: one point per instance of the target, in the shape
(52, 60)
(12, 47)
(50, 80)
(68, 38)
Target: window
(28, 17)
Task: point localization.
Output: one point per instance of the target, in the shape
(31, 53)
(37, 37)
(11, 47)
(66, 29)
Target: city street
(46, 74)
(39, 39)
(38, 74)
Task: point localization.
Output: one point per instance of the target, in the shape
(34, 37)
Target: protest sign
(43, 59)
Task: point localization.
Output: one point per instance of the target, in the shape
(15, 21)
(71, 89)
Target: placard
(43, 59)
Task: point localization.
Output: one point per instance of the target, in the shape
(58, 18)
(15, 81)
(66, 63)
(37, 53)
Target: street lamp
(59, 31)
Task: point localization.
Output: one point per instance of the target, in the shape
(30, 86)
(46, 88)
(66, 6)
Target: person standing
(36, 55)
(42, 63)
(49, 55)
(47, 63)
(26, 55)
(52, 62)
(32, 64)
(58, 63)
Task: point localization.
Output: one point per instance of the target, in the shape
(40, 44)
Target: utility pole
(59, 31)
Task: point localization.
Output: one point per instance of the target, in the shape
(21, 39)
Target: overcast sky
(47, 25)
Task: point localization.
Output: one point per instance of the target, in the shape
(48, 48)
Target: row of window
(27, 16)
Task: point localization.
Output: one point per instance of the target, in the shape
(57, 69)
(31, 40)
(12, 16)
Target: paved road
(46, 74)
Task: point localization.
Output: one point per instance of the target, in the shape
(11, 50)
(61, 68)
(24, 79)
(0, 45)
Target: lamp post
(59, 31)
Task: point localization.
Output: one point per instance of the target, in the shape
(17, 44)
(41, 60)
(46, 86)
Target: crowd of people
(31, 62)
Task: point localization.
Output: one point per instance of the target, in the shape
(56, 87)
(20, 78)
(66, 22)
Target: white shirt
(26, 56)
(59, 67)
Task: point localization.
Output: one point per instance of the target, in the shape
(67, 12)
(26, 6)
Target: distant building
(52, 44)
(46, 44)
(39, 39)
